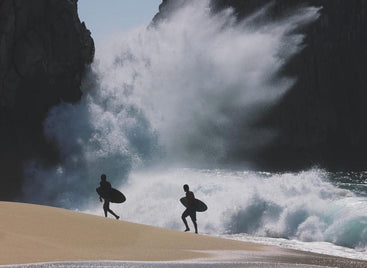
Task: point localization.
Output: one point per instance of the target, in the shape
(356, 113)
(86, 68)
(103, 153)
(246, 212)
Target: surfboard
(199, 205)
(115, 196)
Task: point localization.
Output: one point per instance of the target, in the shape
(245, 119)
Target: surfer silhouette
(190, 209)
(106, 188)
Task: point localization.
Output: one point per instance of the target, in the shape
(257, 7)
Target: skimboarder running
(190, 209)
(106, 188)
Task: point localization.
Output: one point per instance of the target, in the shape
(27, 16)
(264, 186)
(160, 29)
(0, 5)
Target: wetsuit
(190, 210)
(106, 187)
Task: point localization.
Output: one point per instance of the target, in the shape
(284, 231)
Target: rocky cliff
(44, 51)
(321, 120)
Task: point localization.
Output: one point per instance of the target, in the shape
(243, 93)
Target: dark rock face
(44, 51)
(166, 7)
(321, 121)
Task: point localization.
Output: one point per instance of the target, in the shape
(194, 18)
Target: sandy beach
(37, 234)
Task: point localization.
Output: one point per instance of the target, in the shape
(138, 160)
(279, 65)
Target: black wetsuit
(190, 210)
(106, 187)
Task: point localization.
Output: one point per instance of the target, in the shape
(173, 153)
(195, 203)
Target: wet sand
(39, 234)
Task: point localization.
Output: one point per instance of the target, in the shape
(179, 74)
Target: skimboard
(114, 196)
(199, 205)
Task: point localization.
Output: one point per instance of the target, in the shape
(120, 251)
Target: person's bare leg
(114, 214)
(196, 226)
(185, 222)
(105, 208)
(193, 219)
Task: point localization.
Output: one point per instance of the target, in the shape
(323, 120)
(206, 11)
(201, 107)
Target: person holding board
(190, 209)
(105, 193)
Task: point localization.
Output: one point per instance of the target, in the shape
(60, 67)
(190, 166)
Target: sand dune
(33, 233)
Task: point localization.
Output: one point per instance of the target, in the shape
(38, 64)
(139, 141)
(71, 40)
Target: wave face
(305, 206)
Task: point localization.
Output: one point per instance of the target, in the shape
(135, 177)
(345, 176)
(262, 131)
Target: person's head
(186, 188)
(103, 177)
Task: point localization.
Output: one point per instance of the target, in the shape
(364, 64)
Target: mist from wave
(306, 206)
(186, 92)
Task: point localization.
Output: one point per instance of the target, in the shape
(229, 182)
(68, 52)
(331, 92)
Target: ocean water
(162, 104)
(313, 210)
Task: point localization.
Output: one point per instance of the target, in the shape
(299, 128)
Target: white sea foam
(326, 248)
(301, 206)
(185, 91)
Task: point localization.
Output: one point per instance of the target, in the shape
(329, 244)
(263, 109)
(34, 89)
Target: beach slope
(33, 233)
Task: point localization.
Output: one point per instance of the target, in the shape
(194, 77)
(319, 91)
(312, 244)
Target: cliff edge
(44, 51)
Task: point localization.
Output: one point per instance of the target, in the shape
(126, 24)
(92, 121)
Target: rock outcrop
(321, 120)
(44, 52)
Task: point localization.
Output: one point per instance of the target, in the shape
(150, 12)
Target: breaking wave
(305, 206)
(186, 92)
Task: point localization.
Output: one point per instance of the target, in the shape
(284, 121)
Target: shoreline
(185, 264)
(141, 264)
(34, 234)
(311, 247)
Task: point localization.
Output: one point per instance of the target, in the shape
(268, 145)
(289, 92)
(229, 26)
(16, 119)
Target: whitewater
(174, 103)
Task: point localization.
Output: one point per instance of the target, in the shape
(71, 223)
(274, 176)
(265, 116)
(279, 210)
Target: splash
(187, 91)
(303, 206)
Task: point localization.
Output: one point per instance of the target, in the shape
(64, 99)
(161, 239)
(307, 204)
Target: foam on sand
(34, 234)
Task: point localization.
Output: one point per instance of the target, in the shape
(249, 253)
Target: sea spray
(186, 91)
(304, 206)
